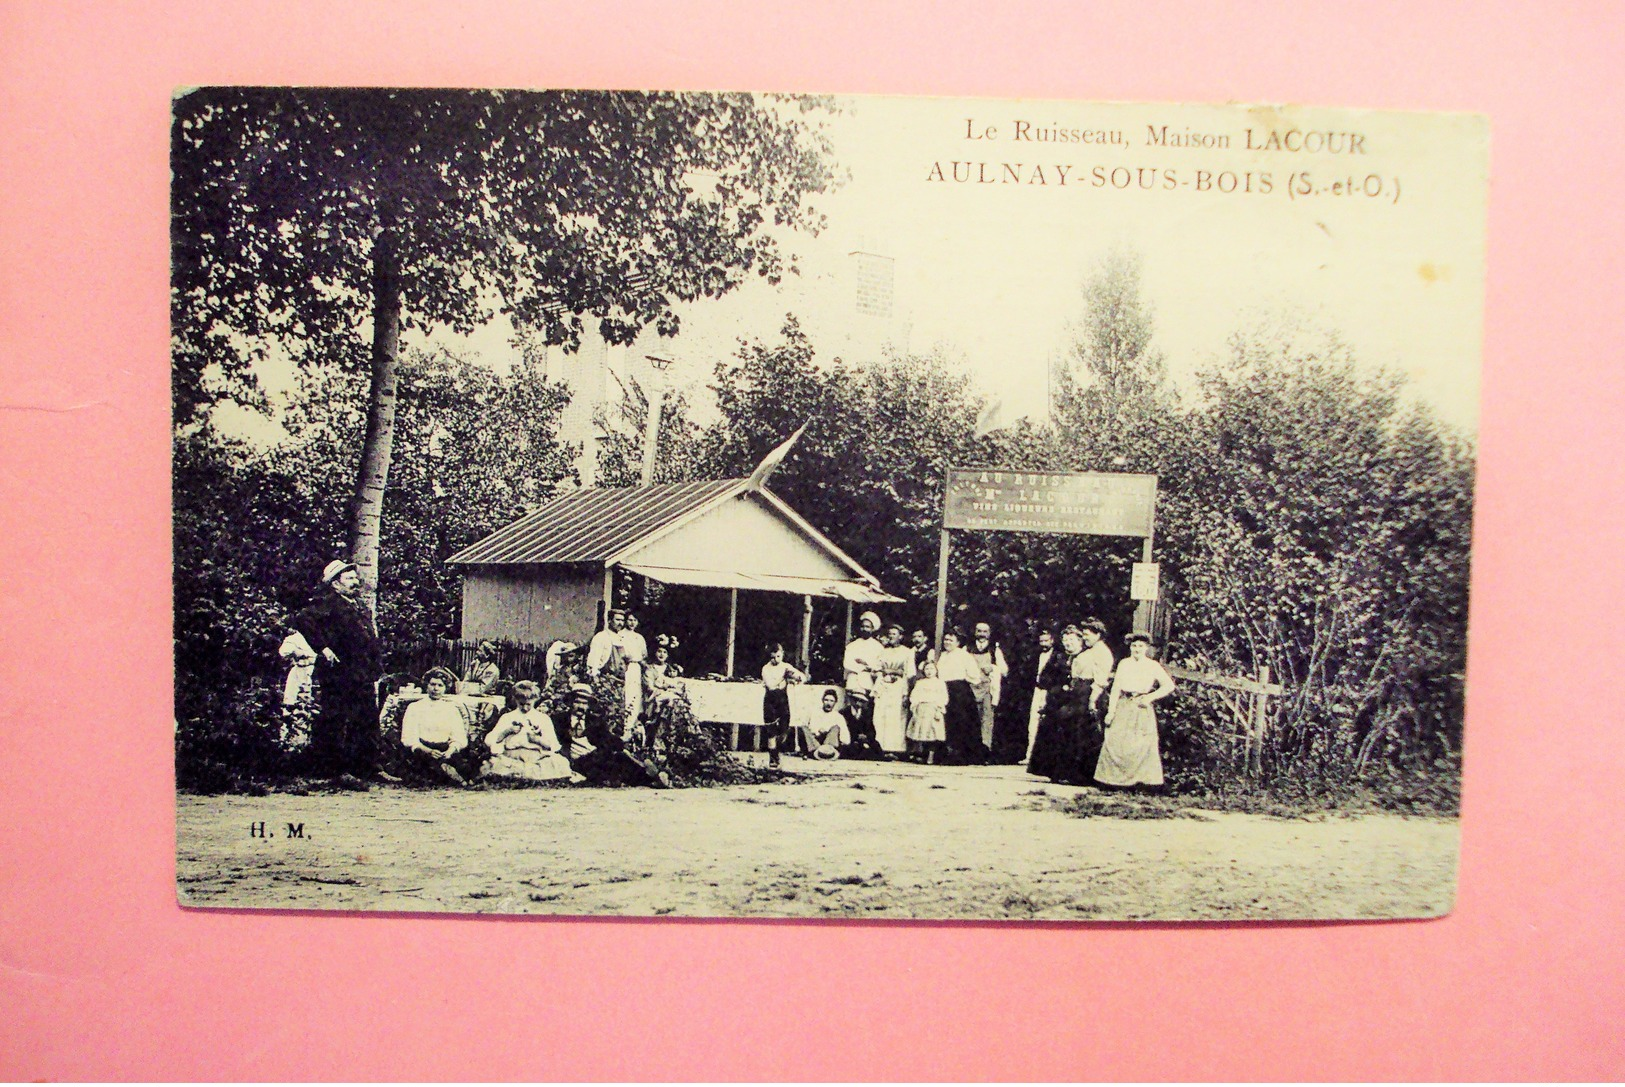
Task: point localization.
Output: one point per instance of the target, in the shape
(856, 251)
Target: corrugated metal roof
(592, 525)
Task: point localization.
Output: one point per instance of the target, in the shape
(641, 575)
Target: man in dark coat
(1024, 692)
(344, 739)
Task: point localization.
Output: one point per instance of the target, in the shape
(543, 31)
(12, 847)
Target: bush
(228, 743)
(670, 739)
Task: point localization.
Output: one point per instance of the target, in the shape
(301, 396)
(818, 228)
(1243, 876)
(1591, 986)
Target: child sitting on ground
(524, 743)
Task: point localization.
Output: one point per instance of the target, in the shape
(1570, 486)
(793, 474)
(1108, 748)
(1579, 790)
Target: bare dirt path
(848, 840)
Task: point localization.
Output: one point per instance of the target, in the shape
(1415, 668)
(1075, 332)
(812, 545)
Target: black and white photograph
(744, 505)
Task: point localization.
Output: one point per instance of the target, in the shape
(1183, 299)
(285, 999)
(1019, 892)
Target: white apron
(1129, 755)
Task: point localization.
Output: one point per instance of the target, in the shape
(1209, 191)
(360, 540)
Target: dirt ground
(844, 840)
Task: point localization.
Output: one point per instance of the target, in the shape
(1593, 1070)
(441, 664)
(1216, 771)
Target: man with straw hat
(339, 629)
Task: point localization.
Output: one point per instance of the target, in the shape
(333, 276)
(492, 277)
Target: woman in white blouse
(963, 720)
(434, 732)
(1130, 754)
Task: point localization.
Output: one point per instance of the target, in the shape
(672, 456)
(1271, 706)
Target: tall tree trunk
(367, 507)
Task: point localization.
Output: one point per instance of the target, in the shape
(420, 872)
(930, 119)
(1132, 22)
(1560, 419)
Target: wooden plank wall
(534, 605)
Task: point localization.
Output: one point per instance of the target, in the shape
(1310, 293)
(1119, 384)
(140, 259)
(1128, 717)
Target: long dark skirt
(1068, 738)
(776, 719)
(425, 769)
(963, 725)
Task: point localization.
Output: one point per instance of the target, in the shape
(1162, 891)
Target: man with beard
(607, 650)
(337, 626)
(990, 660)
(1049, 670)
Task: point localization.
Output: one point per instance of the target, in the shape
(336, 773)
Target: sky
(991, 271)
(995, 270)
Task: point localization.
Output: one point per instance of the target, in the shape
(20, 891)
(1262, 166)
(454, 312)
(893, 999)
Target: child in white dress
(524, 743)
(927, 704)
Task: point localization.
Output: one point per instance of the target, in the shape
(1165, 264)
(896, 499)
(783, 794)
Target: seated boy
(827, 730)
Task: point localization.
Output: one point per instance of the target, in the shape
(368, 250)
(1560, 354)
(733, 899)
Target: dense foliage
(325, 220)
(254, 526)
(1310, 522)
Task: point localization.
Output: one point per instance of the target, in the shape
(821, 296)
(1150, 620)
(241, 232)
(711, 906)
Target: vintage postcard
(777, 505)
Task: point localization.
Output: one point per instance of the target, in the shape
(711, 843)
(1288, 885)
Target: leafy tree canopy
(559, 204)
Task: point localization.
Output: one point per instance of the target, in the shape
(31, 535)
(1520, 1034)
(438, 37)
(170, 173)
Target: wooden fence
(1247, 701)
(516, 660)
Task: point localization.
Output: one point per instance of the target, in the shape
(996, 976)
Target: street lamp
(658, 363)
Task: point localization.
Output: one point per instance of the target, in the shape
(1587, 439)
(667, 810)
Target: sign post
(942, 585)
(1084, 503)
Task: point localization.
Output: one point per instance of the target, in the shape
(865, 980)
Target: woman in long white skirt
(1130, 754)
(891, 692)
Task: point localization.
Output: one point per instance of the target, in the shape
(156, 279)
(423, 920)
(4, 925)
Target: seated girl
(434, 732)
(524, 744)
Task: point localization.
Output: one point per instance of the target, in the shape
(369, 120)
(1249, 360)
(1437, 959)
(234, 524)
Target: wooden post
(1260, 721)
(848, 626)
(1142, 608)
(609, 595)
(733, 628)
(942, 588)
(805, 655)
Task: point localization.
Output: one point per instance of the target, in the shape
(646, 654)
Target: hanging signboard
(1142, 583)
(1095, 503)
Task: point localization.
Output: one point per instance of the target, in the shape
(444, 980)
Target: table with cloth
(737, 706)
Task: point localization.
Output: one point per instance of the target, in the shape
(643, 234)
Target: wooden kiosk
(552, 574)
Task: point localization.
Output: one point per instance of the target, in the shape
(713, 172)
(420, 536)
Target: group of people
(619, 650)
(911, 701)
(435, 738)
(1090, 720)
(333, 646)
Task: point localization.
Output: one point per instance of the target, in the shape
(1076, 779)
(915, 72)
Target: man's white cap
(334, 569)
(869, 617)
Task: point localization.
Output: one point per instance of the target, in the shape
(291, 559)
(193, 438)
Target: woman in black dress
(963, 720)
(1057, 748)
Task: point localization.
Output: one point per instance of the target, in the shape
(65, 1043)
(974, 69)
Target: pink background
(102, 975)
